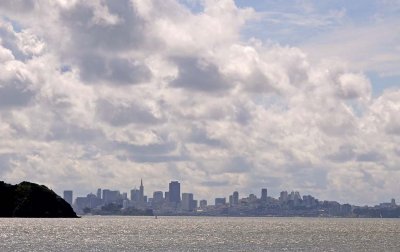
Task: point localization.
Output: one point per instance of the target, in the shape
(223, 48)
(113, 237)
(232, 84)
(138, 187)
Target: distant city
(172, 202)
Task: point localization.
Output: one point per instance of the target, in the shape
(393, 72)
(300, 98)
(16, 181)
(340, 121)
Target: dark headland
(32, 200)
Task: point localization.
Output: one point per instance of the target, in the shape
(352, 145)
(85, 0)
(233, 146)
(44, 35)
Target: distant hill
(32, 200)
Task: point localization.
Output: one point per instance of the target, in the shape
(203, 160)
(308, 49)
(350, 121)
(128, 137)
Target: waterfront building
(124, 196)
(68, 196)
(125, 203)
(296, 199)
(141, 189)
(110, 196)
(187, 202)
(283, 198)
(264, 195)
(309, 201)
(203, 204)
(135, 196)
(235, 197)
(90, 201)
(174, 192)
(158, 196)
(220, 201)
(252, 197)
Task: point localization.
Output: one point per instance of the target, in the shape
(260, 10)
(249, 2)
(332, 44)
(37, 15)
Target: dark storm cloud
(199, 75)
(121, 115)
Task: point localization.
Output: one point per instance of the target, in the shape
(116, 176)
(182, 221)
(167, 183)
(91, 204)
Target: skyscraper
(135, 196)
(264, 194)
(187, 201)
(220, 201)
(99, 193)
(158, 196)
(174, 192)
(283, 198)
(141, 188)
(235, 197)
(110, 196)
(68, 197)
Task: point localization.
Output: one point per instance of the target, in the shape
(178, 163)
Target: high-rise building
(141, 188)
(158, 196)
(110, 196)
(296, 198)
(220, 201)
(68, 196)
(203, 203)
(90, 201)
(98, 193)
(135, 196)
(174, 192)
(264, 194)
(187, 202)
(124, 196)
(283, 198)
(252, 197)
(235, 198)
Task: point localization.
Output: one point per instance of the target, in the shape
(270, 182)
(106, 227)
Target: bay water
(113, 233)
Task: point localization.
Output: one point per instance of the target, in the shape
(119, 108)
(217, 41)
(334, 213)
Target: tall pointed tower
(141, 188)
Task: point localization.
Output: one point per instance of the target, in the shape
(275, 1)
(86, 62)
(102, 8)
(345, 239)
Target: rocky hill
(32, 200)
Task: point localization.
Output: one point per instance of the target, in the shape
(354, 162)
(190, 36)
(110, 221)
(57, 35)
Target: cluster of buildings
(173, 202)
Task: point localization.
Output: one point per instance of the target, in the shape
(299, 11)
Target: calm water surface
(199, 234)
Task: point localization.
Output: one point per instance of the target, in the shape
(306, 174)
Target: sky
(221, 95)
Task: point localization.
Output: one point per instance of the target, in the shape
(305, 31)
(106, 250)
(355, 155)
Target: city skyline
(173, 202)
(220, 94)
(139, 195)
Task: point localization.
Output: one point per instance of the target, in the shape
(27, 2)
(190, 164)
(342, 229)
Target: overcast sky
(221, 95)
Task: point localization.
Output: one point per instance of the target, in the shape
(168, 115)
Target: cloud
(15, 94)
(18, 5)
(115, 91)
(199, 75)
(124, 114)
